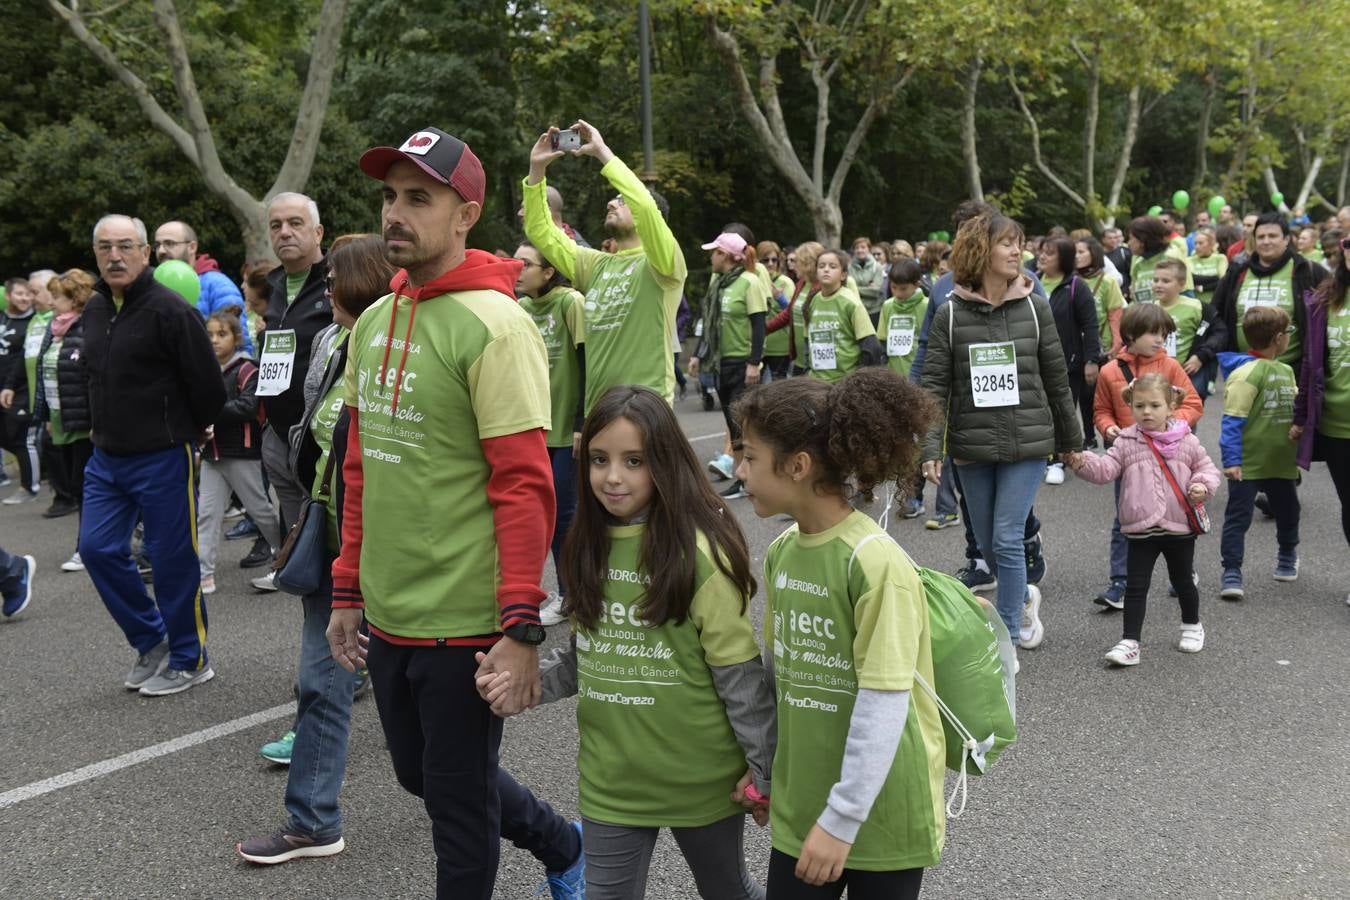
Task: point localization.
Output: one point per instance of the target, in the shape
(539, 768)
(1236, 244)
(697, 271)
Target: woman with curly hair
(996, 368)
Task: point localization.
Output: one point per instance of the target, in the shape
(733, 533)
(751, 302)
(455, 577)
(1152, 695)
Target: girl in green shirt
(858, 781)
(839, 334)
(674, 710)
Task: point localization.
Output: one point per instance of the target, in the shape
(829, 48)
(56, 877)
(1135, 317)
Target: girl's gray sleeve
(747, 694)
(873, 738)
(558, 673)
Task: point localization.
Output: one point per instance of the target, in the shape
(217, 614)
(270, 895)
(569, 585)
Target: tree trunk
(1090, 118)
(1345, 176)
(195, 138)
(1202, 138)
(1133, 114)
(1272, 188)
(969, 152)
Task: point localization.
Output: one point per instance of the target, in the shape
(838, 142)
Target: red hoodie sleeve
(520, 490)
(347, 567)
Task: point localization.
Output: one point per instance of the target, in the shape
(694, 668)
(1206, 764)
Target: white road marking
(145, 754)
(707, 437)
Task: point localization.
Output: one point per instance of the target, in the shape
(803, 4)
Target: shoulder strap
(1035, 317)
(1176, 488)
(245, 372)
(1125, 370)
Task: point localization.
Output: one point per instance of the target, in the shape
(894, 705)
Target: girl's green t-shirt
(846, 613)
(1141, 273)
(1106, 291)
(743, 298)
(1335, 421)
(898, 329)
(835, 325)
(1213, 266)
(776, 344)
(799, 327)
(657, 748)
(559, 317)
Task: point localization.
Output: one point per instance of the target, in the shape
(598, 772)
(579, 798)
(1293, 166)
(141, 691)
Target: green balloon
(1216, 205)
(180, 277)
(944, 236)
(1181, 200)
(1155, 210)
(932, 235)
(1277, 199)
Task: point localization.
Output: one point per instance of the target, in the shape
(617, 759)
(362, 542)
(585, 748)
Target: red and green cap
(442, 156)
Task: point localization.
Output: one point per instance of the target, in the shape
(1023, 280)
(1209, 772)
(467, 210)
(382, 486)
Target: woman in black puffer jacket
(996, 368)
(62, 392)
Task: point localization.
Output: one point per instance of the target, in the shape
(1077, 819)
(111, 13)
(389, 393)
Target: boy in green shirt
(632, 295)
(901, 315)
(1258, 445)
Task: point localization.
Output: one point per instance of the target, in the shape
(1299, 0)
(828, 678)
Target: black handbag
(299, 565)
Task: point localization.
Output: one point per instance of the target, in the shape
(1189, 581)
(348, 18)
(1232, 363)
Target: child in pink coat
(1154, 520)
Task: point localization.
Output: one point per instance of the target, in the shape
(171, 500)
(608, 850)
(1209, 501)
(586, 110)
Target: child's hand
(1295, 432)
(493, 687)
(1074, 460)
(1197, 493)
(1192, 365)
(823, 857)
(1112, 432)
(1233, 473)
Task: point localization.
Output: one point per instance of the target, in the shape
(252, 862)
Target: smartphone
(567, 140)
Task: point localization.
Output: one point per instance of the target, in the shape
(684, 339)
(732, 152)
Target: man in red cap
(448, 509)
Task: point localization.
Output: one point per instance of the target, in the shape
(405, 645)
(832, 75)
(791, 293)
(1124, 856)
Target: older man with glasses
(178, 240)
(154, 391)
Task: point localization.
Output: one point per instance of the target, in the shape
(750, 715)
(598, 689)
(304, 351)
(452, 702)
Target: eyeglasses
(170, 244)
(103, 248)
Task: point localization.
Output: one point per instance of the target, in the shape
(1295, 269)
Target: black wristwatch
(526, 633)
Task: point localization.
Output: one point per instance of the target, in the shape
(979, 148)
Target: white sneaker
(1126, 653)
(550, 611)
(208, 585)
(74, 564)
(233, 512)
(1032, 631)
(22, 495)
(1054, 473)
(265, 582)
(1192, 638)
(723, 466)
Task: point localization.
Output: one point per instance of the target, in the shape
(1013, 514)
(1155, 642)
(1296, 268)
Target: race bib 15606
(899, 335)
(277, 362)
(993, 374)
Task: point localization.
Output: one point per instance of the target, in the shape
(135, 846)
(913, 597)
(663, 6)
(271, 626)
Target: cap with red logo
(442, 156)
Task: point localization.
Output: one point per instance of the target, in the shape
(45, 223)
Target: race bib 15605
(823, 355)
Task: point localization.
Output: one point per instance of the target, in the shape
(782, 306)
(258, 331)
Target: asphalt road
(1223, 774)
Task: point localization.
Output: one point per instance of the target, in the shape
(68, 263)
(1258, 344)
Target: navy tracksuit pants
(158, 489)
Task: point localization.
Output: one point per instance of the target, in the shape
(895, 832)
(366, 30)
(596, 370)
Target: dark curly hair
(863, 431)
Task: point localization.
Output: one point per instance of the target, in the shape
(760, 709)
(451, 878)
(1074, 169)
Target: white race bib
(277, 362)
(823, 355)
(899, 335)
(1171, 345)
(993, 374)
(32, 342)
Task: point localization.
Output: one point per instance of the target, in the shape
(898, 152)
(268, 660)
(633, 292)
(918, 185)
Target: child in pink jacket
(1154, 520)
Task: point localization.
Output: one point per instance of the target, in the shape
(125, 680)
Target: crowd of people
(374, 385)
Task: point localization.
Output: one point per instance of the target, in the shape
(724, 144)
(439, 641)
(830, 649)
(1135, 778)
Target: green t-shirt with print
(656, 745)
(898, 329)
(1141, 272)
(742, 298)
(1108, 296)
(1277, 289)
(1335, 421)
(803, 359)
(631, 296)
(1262, 392)
(834, 326)
(838, 624)
(32, 347)
(1213, 266)
(1188, 315)
(321, 425)
(294, 282)
(777, 344)
(475, 368)
(558, 316)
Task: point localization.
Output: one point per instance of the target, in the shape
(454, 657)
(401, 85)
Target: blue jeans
(998, 497)
(322, 723)
(565, 489)
(159, 489)
(1119, 545)
(1237, 516)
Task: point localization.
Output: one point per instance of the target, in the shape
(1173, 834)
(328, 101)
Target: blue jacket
(219, 292)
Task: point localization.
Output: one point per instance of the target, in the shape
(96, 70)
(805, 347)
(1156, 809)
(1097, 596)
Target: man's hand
(541, 154)
(759, 811)
(693, 367)
(1192, 365)
(592, 144)
(6, 398)
(1233, 473)
(1197, 494)
(1090, 372)
(751, 373)
(932, 471)
(823, 857)
(521, 662)
(493, 687)
(345, 640)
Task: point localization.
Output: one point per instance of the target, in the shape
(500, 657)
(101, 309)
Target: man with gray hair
(178, 240)
(298, 308)
(154, 391)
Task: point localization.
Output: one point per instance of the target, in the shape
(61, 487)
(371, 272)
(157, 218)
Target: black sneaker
(708, 401)
(60, 508)
(1262, 502)
(1035, 560)
(975, 578)
(287, 845)
(242, 529)
(735, 492)
(260, 555)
